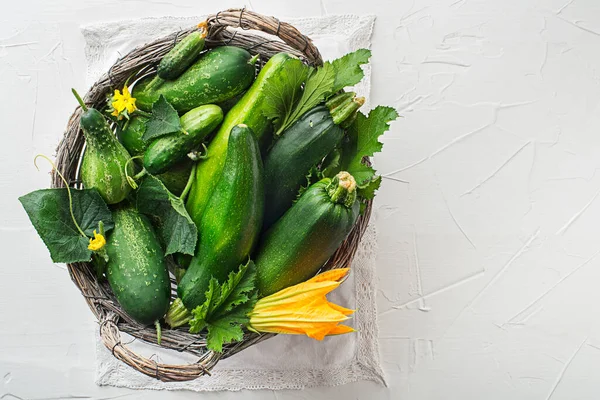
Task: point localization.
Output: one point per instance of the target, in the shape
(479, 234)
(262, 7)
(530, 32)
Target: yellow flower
(303, 309)
(121, 102)
(97, 242)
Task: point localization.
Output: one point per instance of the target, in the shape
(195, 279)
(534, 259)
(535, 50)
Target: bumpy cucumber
(300, 147)
(232, 221)
(248, 111)
(136, 270)
(103, 165)
(218, 75)
(299, 243)
(131, 136)
(180, 57)
(168, 150)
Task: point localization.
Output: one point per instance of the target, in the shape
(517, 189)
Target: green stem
(131, 180)
(158, 331)
(254, 59)
(342, 189)
(177, 315)
(155, 82)
(189, 183)
(68, 190)
(343, 108)
(143, 113)
(79, 100)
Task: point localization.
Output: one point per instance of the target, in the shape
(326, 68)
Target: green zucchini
(301, 241)
(248, 111)
(131, 136)
(181, 56)
(300, 147)
(104, 160)
(136, 269)
(166, 151)
(232, 221)
(218, 75)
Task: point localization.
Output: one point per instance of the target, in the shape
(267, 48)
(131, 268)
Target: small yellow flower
(123, 102)
(97, 242)
(303, 309)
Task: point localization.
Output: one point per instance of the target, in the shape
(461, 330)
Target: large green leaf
(48, 210)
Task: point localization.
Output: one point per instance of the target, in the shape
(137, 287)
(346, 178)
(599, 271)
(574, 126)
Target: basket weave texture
(231, 27)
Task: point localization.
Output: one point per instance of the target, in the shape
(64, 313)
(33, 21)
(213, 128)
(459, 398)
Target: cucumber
(104, 160)
(218, 75)
(180, 57)
(136, 270)
(248, 111)
(299, 243)
(232, 221)
(176, 177)
(300, 147)
(168, 150)
(131, 136)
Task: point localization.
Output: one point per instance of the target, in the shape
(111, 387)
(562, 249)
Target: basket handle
(250, 20)
(111, 337)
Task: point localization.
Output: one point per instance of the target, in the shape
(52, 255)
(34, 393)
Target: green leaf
(282, 92)
(226, 307)
(347, 69)
(178, 231)
(48, 210)
(164, 120)
(367, 191)
(363, 141)
(313, 176)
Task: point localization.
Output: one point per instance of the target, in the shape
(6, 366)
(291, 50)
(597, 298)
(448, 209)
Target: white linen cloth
(286, 361)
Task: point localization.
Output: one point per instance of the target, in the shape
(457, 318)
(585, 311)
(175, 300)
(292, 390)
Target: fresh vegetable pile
(241, 186)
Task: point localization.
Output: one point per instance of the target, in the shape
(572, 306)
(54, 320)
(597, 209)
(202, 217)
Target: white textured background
(489, 236)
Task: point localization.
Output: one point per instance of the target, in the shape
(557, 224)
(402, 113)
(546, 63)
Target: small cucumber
(168, 150)
(131, 136)
(181, 56)
(302, 146)
(218, 75)
(103, 165)
(301, 241)
(248, 111)
(136, 270)
(232, 221)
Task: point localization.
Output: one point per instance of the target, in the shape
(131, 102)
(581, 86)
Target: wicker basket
(225, 28)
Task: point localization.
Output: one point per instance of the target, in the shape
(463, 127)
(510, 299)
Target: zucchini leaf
(226, 307)
(178, 231)
(347, 69)
(286, 102)
(48, 210)
(164, 120)
(283, 92)
(363, 141)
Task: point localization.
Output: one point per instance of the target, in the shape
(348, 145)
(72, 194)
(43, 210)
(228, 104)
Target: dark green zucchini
(166, 151)
(136, 270)
(300, 147)
(232, 221)
(301, 241)
(218, 75)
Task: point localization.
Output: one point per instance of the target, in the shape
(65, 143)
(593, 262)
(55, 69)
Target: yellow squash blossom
(97, 242)
(303, 309)
(123, 102)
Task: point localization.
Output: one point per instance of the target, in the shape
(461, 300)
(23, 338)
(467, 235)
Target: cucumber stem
(66, 186)
(189, 183)
(342, 189)
(156, 81)
(131, 180)
(158, 331)
(177, 315)
(79, 100)
(254, 59)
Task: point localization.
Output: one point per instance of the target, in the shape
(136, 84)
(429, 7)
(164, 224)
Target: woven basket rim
(229, 27)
